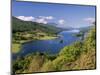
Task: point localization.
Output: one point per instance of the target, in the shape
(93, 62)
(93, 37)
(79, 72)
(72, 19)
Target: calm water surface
(49, 46)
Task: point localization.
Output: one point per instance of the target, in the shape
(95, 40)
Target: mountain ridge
(20, 25)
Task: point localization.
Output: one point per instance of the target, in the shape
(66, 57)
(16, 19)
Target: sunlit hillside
(79, 55)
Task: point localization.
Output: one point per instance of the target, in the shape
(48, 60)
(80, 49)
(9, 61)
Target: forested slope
(21, 26)
(78, 56)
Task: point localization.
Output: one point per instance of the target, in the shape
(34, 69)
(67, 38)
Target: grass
(44, 36)
(16, 47)
(78, 56)
(47, 38)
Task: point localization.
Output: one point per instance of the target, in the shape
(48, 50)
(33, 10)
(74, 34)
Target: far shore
(16, 47)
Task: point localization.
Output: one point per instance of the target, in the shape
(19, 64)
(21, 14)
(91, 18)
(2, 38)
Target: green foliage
(20, 66)
(90, 41)
(71, 52)
(79, 55)
(79, 34)
(22, 26)
(87, 58)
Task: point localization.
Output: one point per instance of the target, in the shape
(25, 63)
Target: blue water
(49, 46)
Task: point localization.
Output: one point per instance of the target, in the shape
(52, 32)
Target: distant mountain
(52, 24)
(63, 28)
(85, 29)
(21, 26)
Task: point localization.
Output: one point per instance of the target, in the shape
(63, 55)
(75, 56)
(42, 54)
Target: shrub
(71, 52)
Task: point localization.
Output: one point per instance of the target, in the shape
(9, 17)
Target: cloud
(49, 17)
(43, 19)
(26, 18)
(90, 20)
(61, 21)
(39, 19)
(46, 17)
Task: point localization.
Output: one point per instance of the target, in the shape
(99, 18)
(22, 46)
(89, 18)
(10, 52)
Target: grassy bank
(16, 47)
(46, 38)
(19, 40)
(77, 56)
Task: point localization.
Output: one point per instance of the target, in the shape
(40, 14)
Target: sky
(64, 15)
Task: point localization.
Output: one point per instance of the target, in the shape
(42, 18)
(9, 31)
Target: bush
(71, 52)
(79, 55)
(90, 41)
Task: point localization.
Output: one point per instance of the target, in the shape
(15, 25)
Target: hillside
(21, 26)
(25, 31)
(77, 56)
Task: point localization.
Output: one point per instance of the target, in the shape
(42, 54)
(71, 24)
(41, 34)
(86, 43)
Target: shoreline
(17, 46)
